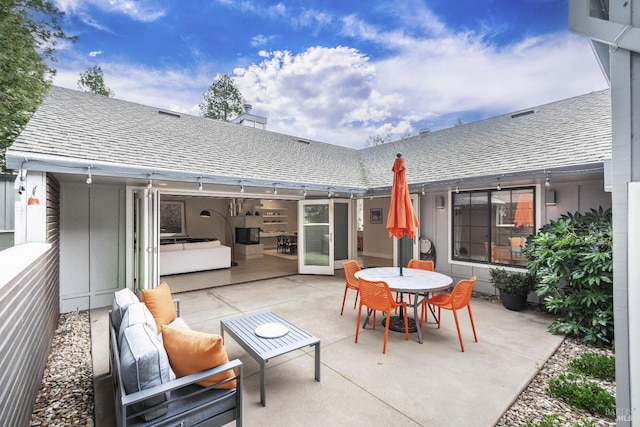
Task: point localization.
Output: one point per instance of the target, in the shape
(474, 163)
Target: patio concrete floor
(433, 384)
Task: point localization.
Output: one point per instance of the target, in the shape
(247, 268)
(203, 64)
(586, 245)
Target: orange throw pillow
(160, 304)
(191, 352)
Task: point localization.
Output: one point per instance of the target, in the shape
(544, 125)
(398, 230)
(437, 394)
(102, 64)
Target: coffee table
(243, 330)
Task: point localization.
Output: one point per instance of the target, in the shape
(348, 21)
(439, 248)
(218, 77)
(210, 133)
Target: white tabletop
(412, 280)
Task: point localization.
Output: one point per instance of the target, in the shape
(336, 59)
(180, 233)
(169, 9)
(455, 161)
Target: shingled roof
(79, 128)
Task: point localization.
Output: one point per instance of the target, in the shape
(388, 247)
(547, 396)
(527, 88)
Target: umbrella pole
(400, 257)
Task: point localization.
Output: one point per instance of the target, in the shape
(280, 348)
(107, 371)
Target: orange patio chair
(377, 296)
(350, 268)
(421, 264)
(457, 299)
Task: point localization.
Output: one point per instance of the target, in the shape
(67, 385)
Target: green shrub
(554, 421)
(583, 394)
(595, 365)
(572, 259)
(513, 283)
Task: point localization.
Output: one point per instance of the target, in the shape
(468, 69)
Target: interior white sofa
(179, 258)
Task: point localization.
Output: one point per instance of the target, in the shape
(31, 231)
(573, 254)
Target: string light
(351, 195)
(423, 190)
(546, 181)
(304, 192)
(275, 190)
(457, 188)
(499, 187)
(89, 179)
(242, 188)
(150, 183)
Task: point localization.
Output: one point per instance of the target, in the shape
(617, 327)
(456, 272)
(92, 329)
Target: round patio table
(413, 280)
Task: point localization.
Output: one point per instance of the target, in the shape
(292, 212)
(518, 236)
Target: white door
(316, 237)
(146, 239)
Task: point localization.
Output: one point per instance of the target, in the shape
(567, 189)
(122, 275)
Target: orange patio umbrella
(524, 211)
(402, 220)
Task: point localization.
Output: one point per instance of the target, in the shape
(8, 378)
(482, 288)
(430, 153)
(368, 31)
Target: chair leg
(344, 299)
(455, 316)
(473, 326)
(439, 317)
(356, 300)
(386, 334)
(358, 322)
(406, 324)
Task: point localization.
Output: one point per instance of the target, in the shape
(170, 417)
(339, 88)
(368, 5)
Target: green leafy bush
(583, 394)
(512, 282)
(595, 365)
(554, 421)
(572, 259)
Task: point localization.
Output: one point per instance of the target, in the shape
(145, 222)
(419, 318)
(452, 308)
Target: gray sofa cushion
(121, 301)
(136, 313)
(144, 364)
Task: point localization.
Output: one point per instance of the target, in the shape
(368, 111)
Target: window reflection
(491, 226)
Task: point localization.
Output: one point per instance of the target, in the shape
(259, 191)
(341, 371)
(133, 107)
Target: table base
(397, 324)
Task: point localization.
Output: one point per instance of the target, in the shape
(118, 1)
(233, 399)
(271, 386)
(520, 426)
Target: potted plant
(514, 287)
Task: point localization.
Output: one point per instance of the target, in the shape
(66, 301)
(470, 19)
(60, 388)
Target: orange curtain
(524, 211)
(402, 218)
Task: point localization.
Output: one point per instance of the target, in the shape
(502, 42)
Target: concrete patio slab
(412, 385)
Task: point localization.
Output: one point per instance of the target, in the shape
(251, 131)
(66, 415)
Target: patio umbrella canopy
(402, 220)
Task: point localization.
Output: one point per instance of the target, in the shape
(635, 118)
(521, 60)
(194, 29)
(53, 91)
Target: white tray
(271, 330)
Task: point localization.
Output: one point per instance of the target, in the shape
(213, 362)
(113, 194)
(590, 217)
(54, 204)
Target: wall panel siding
(92, 245)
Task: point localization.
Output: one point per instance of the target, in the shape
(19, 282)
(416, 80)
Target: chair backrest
(376, 295)
(462, 293)
(421, 264)
(350, 269)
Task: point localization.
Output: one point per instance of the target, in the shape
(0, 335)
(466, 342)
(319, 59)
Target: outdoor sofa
(147, 392)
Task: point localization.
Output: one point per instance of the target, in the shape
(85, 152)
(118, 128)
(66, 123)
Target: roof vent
(169, 113)
(247, 107)
(521, 113)
(425, 132)
(304, 141)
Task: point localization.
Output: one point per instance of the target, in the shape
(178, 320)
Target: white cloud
(429, 77)
(139, 10)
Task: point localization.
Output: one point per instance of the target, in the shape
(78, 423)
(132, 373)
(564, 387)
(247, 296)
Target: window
(492, 226)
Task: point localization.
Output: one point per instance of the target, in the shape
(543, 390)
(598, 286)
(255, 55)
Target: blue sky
(333, 70)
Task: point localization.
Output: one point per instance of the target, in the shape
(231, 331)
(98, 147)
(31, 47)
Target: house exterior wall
(579, 196)
(92, 245)
(30, 309)
(7, 208)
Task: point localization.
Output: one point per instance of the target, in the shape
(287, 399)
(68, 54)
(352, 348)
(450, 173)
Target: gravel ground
(66, 395)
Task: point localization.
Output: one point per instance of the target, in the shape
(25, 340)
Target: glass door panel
(315, 242)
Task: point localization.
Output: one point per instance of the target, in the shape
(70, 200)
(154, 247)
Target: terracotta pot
(33, 201)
